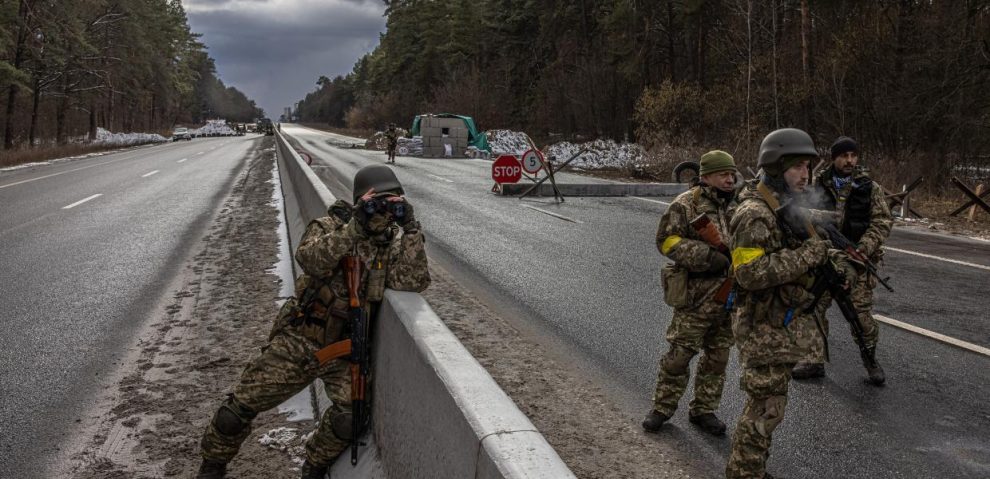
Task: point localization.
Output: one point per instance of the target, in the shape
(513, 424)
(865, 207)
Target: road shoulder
(217, 316)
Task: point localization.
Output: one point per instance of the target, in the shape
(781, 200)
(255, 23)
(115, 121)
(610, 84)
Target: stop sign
(506, 169)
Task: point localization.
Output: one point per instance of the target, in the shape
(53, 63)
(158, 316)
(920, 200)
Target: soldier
(389, 241)
(772, 269)
(392, 135)
(863, 217)
(701, 321)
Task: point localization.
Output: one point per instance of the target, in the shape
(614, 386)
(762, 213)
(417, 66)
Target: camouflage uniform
(392, 137)
(699, 323)
(772, 273)
(864, 218)
(287, 364)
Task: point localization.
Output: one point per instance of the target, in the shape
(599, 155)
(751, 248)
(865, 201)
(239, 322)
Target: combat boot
(805, 370)
(212, 469)
(654, 420)
(314, 471)
(708, 423)
(873, 369)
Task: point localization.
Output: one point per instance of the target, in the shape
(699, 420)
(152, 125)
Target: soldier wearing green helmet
(701, 322)
(382, 232)
(773, 272)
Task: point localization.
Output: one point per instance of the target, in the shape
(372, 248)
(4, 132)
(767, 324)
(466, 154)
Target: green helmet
(379, 177)
(784, 142)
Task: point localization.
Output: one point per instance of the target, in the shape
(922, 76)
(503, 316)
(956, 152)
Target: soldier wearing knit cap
(701, 323)
(862, 215)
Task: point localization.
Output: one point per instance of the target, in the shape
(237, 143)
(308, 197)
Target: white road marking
(149, 174)
(947, 260)
(180, 161)
(63, 172)
(200, 153)
(555, 215)
(932, 334)
(440, 178)
(73, 205)
(651, 201)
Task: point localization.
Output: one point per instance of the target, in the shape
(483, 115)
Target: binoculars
(382, 205)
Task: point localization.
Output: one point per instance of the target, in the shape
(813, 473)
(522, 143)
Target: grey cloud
(274, 50)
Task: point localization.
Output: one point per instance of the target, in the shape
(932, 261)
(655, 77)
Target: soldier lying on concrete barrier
(388, 241)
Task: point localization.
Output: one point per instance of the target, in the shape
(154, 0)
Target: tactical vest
(856, 214)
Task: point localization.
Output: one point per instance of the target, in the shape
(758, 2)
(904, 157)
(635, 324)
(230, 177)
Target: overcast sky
(275, 50)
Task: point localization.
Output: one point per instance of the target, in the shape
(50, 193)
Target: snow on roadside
(214, 127)
(107, 137)
(507, 142)
(599, 154)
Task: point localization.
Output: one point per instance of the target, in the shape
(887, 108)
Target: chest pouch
(674, 280)
(376, 281)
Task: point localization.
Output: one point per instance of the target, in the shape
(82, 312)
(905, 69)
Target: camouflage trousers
(766, 388)
(862, 299)
(708, 332)
(285, 366)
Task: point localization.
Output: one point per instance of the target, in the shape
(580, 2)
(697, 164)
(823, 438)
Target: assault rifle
(828, 279)
(356, 348)
(706, 229)
(839, 241)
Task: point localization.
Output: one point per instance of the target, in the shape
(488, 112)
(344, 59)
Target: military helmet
(784, 142)
(379, 177)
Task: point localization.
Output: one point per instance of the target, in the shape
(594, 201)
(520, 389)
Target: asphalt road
(588, 287)
(82, 273)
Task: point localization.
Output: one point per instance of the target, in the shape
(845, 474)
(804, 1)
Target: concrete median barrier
(436, 412)
(597, 189)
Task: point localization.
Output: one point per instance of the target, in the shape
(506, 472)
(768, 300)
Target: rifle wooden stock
(352, 266)
(707, 231)
(334, 351)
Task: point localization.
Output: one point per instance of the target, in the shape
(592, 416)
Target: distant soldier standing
(701, 321)
(773, 272)
(392, 135)
(864, 218)
(390, 244)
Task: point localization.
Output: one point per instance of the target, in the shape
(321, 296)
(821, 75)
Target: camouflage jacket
(392, 135)
(397, 261)
(678, 240)
(772, 272)
(864, 216)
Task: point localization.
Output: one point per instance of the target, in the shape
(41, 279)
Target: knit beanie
(715, 161)
(842, 145)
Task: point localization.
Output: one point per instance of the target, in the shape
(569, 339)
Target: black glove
(717, 262)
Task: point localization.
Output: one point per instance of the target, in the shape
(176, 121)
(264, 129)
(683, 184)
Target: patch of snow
(599, 154)
(507, 142)
(107, 137)
(280, 438)
(215, 128)
(298, 407)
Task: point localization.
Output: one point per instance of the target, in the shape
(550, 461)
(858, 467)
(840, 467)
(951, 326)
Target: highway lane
(79, 282)
(591, 290)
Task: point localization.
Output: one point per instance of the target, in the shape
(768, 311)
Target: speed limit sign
(532, 161)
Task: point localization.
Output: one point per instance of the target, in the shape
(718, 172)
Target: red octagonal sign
(506, 169)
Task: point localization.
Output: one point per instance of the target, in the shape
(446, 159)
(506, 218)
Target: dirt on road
(148, 424)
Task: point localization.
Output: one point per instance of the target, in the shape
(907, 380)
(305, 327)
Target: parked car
(181, 133)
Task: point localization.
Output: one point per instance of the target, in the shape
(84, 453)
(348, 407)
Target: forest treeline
(70, 66)
(908, 78)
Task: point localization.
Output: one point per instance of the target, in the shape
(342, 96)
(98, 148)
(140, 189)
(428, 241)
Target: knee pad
(233, 417)
(677, 360)
(772, 415)
(342, 425)
(715, 360)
